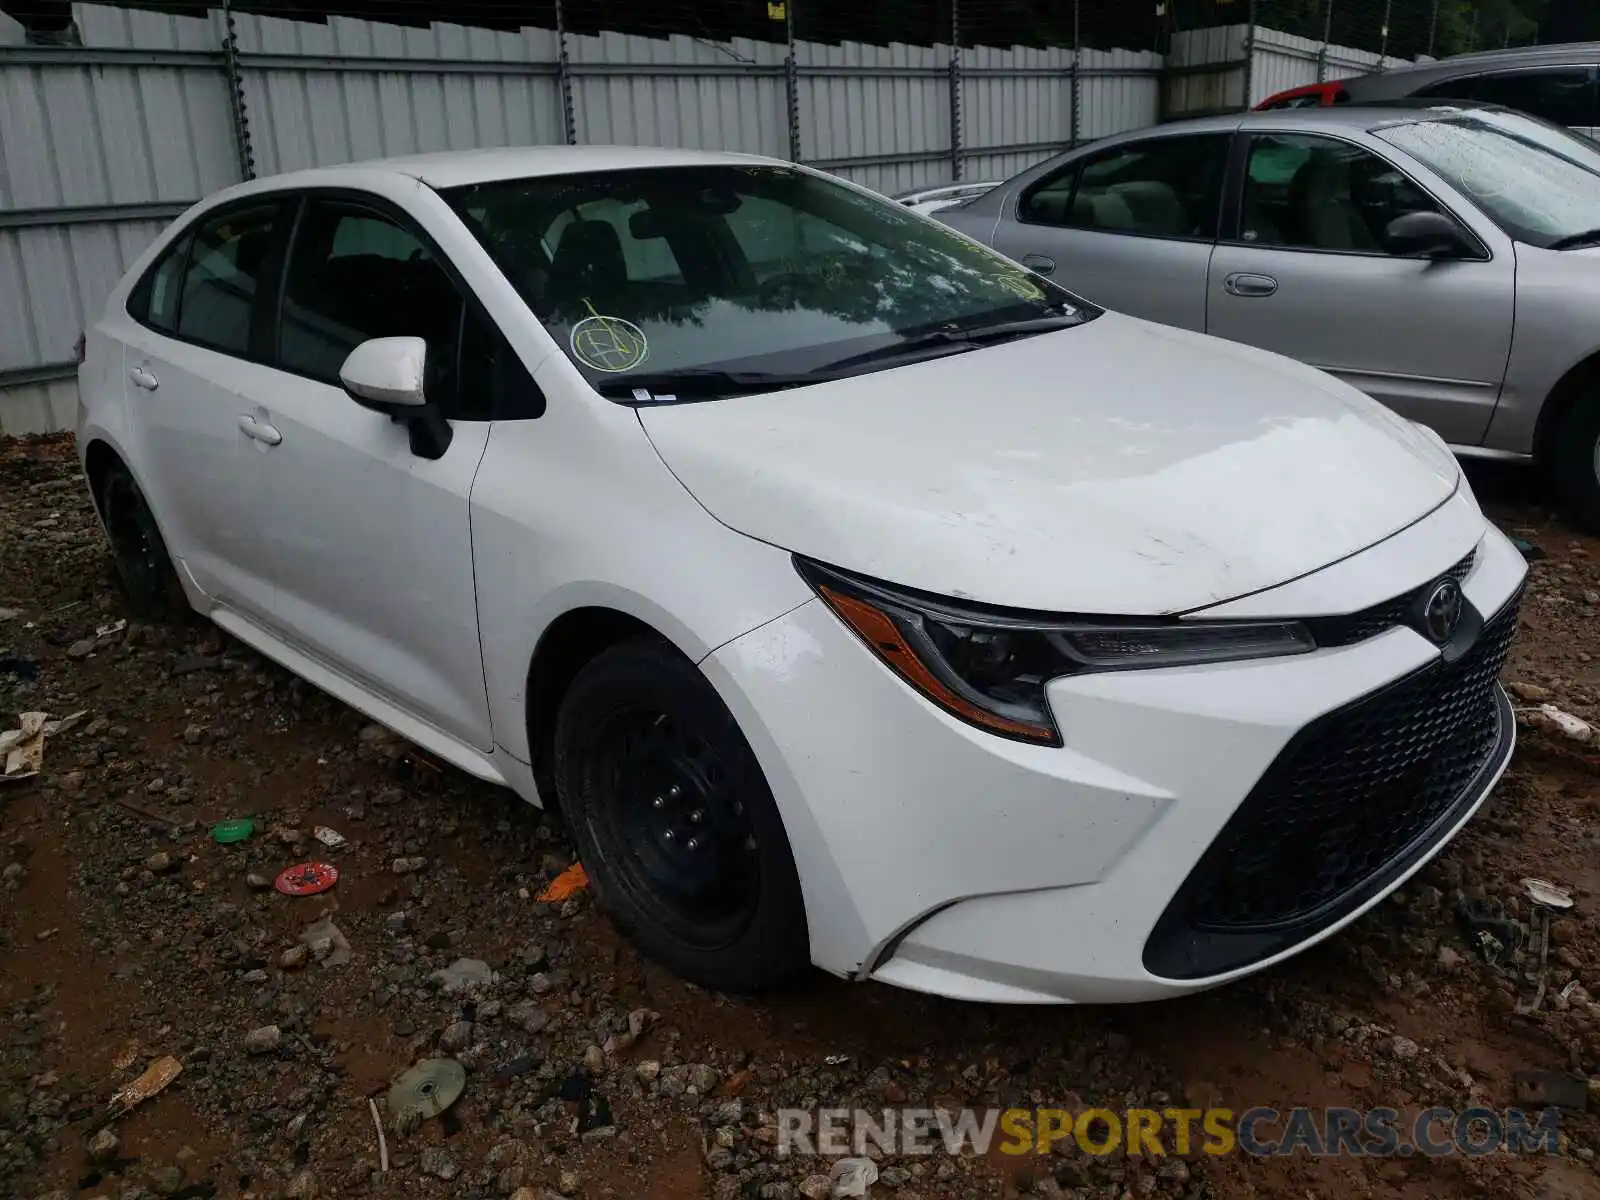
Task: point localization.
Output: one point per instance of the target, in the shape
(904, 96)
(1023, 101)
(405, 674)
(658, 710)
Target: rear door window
(154, 301)
(1160, 187)
(222, 278)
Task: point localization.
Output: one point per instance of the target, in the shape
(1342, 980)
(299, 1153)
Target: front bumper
(1130, 863)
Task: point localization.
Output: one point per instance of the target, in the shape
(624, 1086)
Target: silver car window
(1303, 192)
(1537, 182)
(1165, 187)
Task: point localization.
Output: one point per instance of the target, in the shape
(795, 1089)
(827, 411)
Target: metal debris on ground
(22, 749)
(327, 943)
(1546, 898)
(424, 1091)
(307, 879)
(573, 879)
(835, 1060)
(111, 630)
(156, 1077)
(234, 829)
(1496, 937)
(331, 838)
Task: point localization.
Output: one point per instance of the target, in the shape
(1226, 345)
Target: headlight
(990, 666)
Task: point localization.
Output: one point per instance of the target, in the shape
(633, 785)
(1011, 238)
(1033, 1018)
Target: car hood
(1117, 467)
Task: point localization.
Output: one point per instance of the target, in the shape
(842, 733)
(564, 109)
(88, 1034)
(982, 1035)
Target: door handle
(1244, 283)
(1039, 263)
(259, 430)
(143, 379)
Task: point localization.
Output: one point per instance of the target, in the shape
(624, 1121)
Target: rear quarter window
(154, 300)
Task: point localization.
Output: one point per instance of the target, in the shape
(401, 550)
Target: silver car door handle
(1243, 283)
(1039, 263)
(143, 379)
(253, 428)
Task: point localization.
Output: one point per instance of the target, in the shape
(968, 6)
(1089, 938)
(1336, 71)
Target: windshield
(1536, 181)
(760, 272)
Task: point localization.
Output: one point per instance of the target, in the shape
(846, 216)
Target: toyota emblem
(1442, 612)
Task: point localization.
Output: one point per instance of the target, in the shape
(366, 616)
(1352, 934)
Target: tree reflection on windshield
(765, 268)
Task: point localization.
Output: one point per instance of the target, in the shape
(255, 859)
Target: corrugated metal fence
(102, 144)
(1232, 67)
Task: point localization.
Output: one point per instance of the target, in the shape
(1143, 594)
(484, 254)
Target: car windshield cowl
(721, 279)
(704, 383)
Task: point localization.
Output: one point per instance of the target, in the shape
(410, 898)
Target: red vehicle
(1312, 95)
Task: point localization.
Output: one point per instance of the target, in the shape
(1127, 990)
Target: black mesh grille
(1369, 622)
(1353, 798)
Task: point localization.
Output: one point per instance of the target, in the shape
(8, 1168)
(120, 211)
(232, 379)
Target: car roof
(1401, 80)
(1356, 117)
(459, 168)
(1365, 116)
(1514, 56)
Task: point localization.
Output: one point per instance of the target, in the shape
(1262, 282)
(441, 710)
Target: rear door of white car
(192, 338)
(371, 549)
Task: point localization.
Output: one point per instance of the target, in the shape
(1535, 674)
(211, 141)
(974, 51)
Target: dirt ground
(128, 934)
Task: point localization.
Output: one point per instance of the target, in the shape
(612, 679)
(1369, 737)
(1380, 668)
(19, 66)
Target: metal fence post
(1249, 56)
(1077, 76)
(955, 90)
(791, 82)
(1327, 39)
(241, 119)
(1383, 43)
(1433, 27)
(569, 116)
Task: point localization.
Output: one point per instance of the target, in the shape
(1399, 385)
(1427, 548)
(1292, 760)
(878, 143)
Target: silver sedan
(1445, 260)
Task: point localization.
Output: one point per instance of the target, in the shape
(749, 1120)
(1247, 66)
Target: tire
(1575, 461)
(137, 548)
(675, 824)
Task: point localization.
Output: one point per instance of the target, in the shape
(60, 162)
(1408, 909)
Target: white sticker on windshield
(609, 344)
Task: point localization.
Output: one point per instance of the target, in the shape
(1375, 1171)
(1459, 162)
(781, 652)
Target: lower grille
(1355, 798)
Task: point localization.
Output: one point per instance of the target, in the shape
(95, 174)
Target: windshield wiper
(956, 338)
(662, 387)
(1573, 241)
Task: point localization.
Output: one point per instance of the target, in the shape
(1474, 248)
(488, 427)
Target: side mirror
(386, 375)
(1425, 235)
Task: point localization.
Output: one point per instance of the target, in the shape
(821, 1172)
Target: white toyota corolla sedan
(859, 598)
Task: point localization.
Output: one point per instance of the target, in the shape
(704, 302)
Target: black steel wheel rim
(135, 543)
(685, 847)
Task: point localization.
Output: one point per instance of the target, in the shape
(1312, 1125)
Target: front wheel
(674, 821)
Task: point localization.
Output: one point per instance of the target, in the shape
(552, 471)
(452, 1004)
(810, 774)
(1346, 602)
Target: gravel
(128, 934)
